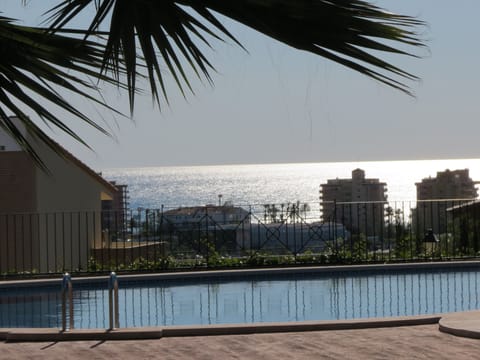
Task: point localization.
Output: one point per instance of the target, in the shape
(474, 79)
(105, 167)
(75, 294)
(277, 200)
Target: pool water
(293, 297)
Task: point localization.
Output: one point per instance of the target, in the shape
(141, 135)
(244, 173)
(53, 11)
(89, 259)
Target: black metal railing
(228, 236)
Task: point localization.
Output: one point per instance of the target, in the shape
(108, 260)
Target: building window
(2, 147)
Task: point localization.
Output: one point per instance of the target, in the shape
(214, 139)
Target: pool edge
(236, 273)
(462, 324)
(45, 334)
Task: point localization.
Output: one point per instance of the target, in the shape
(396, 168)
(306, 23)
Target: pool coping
(49, 334)
(463, 324)
(238, 273)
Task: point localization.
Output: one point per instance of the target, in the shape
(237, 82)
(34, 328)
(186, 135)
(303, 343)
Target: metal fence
(230, 236)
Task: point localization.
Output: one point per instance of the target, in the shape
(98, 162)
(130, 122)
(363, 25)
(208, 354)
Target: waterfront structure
(437, 194)
(358, 203)
(48, 217)
(226, 214)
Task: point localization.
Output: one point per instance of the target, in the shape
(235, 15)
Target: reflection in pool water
(253, 299)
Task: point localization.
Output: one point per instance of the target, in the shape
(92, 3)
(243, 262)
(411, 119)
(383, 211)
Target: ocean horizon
(258, 184)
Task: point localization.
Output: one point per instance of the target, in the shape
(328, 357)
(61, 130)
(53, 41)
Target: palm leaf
(344, 31)
(148, 36)
(34, 61)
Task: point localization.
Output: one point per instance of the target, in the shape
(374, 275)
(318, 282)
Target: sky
(274, 104)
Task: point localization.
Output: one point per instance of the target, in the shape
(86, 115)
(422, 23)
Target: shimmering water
(297, 297)
(270, 184)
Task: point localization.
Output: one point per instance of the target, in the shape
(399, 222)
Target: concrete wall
(50, 222)
(17, 183)
(19, 243)
(17, 203)
(72, 196)
(67, 188)
(46, 242)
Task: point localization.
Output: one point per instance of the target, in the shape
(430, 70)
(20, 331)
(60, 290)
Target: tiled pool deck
(404, 342)
(36, 334)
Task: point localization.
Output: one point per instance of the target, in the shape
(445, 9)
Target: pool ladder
(113, 301)
(67, 298)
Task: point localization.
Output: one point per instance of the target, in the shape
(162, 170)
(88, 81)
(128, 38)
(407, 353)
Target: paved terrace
(403, 342)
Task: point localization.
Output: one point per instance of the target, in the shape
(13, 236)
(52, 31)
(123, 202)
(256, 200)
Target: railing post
(113, 301)
(67, 291)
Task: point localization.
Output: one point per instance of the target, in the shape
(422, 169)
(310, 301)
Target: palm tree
(145, 37)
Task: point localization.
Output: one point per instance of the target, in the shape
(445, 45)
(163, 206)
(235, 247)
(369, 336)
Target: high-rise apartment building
(435, 195)
(455, 184)
(358, 203)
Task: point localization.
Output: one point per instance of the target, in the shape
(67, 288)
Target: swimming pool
(251, 297)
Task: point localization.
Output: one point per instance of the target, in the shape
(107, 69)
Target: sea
(259, 184)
